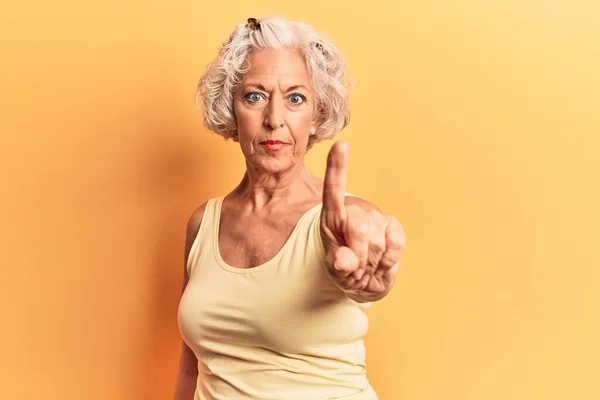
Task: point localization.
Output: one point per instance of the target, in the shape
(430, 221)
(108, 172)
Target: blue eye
(297, 98)
(254, 97)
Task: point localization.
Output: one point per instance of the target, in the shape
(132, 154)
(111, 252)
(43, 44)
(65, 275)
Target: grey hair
(326, 67)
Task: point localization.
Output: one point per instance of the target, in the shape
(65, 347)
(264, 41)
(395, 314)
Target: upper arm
(188, 362)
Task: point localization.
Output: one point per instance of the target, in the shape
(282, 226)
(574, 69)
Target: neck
(263, 189)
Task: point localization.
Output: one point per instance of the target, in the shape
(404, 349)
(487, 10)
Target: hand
(363, 246)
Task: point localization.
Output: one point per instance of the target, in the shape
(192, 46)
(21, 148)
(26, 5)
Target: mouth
(273, 145)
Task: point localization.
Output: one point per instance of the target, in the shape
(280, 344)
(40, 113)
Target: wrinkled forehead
(285, 67)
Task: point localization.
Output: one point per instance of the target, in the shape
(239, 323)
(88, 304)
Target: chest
(291, 308)
(250, 241)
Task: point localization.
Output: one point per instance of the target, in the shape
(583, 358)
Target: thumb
(343, 260)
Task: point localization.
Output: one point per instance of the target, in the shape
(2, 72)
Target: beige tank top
(281, 330)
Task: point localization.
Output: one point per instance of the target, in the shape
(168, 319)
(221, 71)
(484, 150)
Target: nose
(274, 113)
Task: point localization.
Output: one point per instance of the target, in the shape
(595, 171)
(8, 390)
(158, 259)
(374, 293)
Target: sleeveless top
(281, 330)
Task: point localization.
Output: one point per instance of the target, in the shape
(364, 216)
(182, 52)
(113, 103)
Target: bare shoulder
(194, 221)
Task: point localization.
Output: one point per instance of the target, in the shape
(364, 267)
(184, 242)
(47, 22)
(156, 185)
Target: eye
(253, 97)
(297, 99)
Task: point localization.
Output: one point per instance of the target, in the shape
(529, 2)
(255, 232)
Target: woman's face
(274, 108)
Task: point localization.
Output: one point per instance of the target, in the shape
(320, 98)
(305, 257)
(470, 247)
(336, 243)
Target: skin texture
(275, 101)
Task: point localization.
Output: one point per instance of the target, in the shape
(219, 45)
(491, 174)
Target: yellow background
(475, 122)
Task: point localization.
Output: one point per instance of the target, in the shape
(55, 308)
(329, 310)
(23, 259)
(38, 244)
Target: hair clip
(321, 48)
(253, 24)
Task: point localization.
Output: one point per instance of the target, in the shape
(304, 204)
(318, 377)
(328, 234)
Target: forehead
(284, 66)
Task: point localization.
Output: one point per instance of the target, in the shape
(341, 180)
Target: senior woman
(279, 271)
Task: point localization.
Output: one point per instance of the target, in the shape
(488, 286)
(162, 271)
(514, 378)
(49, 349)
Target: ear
(316, 122)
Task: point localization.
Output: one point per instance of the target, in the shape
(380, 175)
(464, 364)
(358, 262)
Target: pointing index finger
(334, 188)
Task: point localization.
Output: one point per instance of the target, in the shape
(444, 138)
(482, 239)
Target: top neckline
(266, 264)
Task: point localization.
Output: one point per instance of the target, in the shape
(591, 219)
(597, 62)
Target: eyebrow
(289, 89)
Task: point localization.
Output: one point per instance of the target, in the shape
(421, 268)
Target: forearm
(186, 385)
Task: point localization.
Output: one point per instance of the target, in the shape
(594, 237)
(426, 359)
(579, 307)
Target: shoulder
(195, 219)
(193, 225)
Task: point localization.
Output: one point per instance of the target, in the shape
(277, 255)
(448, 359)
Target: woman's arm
(362, 245)
(187, 375)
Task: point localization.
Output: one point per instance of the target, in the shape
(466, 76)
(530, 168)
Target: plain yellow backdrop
(476, 123)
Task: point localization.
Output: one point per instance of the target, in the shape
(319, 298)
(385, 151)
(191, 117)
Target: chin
(273, 165)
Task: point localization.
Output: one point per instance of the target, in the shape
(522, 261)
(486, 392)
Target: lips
(271, 142)
(273, 145)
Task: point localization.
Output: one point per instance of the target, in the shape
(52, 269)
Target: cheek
(301, 134)
(242, 117)
(301, 126)
(248, 122)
